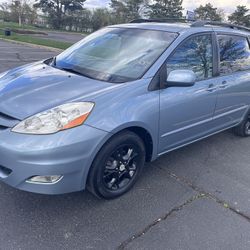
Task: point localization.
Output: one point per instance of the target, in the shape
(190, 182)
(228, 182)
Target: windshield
(115, 54)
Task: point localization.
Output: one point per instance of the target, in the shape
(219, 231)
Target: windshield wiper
(54, 61)
(71, 71)
(74, 71)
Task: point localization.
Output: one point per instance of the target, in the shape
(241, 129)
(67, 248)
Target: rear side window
(196, 53)
(234, 54)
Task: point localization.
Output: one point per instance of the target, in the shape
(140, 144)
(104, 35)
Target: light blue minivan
(91, 117)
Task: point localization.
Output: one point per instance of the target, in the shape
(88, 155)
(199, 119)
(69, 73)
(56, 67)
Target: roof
(171, 27)
(180, 27)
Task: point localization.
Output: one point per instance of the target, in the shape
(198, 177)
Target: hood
(28, 90)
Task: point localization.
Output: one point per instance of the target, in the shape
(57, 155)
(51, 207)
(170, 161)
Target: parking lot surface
(197, 197)
(62, 36)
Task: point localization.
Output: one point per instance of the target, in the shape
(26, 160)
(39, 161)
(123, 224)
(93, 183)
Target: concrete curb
(32, 45)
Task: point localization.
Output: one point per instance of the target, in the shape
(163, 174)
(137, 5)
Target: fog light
(48, 179)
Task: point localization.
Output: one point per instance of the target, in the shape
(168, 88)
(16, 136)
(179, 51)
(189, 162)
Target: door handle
(211, 88)
(223, 85)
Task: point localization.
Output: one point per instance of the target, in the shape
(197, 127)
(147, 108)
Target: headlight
(60, 118)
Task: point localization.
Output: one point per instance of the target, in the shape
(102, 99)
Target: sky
(227, 5)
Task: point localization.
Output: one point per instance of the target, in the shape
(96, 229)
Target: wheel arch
(146, 134)
(146, 138)
(141, 131)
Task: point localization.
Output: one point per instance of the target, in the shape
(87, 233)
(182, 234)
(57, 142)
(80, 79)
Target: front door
(186, 112)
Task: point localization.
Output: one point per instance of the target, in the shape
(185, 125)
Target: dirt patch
(30, 32)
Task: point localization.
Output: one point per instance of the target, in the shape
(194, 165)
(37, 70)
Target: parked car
(91, 117)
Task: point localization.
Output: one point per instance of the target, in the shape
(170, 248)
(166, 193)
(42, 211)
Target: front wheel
(117, 166)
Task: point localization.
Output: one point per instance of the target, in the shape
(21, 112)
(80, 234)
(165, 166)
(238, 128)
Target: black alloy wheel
(117, 166)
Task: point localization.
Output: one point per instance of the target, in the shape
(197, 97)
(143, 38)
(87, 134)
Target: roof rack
(199, 23)
(202, 23)
(159, 20)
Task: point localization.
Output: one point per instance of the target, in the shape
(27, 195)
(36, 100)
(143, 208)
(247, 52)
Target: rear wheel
(117, 166)
(244, 128)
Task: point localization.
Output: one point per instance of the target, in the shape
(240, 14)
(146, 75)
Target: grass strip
(37, 41)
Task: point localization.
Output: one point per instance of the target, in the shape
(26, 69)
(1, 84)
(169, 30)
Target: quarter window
(234, 54)
(195, 54)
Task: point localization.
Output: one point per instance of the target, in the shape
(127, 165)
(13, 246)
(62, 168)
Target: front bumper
(69, 153)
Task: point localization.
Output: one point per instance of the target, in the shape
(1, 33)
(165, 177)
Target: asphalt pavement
(197, 197)
(69, 37)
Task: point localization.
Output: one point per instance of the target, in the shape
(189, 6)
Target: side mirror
(181, 78)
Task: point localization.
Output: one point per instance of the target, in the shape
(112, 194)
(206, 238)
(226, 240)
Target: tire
(243, 129)
(117, 166)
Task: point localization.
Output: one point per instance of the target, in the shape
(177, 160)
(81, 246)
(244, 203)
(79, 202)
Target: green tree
(222, 14)
(119, 11)
(19, 11)
(208, 12)
(83, 20)
(58, 10)
(127, 10)
(5, 12)
(100, 18)
(241, 16)
(134, 8)
(166, 9)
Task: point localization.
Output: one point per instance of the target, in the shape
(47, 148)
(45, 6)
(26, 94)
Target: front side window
(194, 54)
(234, 54)
(116, 54)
